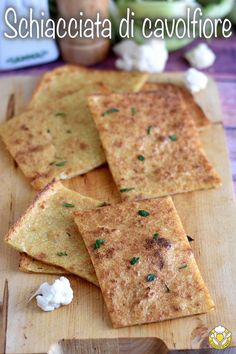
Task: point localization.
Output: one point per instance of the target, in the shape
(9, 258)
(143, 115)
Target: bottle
(18, 52)
(80, 50)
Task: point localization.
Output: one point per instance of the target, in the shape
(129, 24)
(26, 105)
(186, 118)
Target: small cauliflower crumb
(50, 297)
(195, 80)
(63, 176)
(149, 57)
(201, 57)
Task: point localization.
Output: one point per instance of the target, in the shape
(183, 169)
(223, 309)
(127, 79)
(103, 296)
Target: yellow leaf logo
(220, 337)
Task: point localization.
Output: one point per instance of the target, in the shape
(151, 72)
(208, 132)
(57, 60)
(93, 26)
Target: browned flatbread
(60, 142)
(196, 112)
(48, 233)
(28, 264)
(143, 261)
(70, 78)
(151, 144)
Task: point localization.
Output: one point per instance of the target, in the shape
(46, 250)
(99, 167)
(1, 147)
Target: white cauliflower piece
(149, 57)
(195, 80)
(50, 297)
(201, 56)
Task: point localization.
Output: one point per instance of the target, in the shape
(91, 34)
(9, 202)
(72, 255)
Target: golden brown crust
(164, 283)
(28, 264)
(192, 107)
(71, 78)
(48, 233)
(47, 77)
(151, 144)
(57, 137)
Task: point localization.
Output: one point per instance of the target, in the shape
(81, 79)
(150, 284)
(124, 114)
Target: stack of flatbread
(148, 133)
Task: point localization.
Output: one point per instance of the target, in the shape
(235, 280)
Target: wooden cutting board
(208, 216)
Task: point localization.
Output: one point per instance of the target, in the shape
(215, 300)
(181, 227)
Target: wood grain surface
(110, 346)
(208, 216)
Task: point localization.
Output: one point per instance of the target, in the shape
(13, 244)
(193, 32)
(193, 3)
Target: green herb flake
(62, 254)
(48, 131)
(140, 157)
(149, 130)
(133, 111)
(134, 260)
(98, 244)
(68, 234)
(183, 266)
(60, 164)
(173, 137)
(68, 131)
(167, 288)
(60, 114)
(151, 277)
(68, 205)
(125, 190)
(190, 239)
(155, 236)
(143, 213)
(109, 111)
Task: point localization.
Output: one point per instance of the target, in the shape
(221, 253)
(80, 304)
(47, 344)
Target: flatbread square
(60, 142)
(196, 112)
(143, 261)
(152, 144)
(48, 233)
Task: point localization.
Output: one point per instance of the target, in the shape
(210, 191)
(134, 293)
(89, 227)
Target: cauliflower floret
(50, 297)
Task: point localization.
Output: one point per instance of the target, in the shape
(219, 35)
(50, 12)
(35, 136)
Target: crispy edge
(202, 121)
(48, 76)
(72, 68)
(51, 187)
(25, 266)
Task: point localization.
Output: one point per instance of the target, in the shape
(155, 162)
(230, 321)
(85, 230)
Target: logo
(220, 337)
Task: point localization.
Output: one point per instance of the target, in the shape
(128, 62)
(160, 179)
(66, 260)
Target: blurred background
(137, 54)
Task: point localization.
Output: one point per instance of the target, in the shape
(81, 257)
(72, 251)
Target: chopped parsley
(62, 254)
(48, 131)
(155, 236)
(68, 131)
(60, 114)
(151, 277)
(68, 205)
(133, 111)
(167, 288)
(143, 213)
(98, 244)
(140, 157)
(183, 266)
(134, 260)
(124, 190)
(190, 239)
(109, 111)
(173, 137)
(60, 164)
(149, 130)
